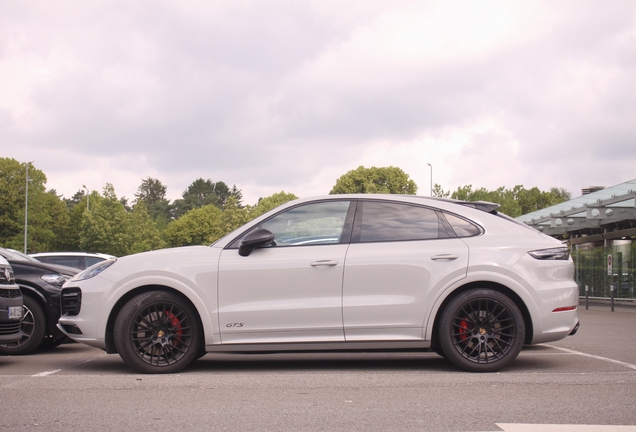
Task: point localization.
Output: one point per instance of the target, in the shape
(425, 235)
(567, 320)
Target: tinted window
(316, 223)
(383, 221)
(462, 227)
(69, 261)
(92, 260)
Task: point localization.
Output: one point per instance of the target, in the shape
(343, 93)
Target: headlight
(55, 278)
(94, 270)
(560, 253)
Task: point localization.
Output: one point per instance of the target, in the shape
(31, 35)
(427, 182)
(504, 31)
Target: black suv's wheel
(481, 330)
(33, 325)
(157, 332)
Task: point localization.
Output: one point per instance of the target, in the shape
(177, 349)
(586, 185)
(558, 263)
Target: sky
(290, 95)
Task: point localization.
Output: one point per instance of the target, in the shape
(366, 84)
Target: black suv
(41, 285)
(10, 305)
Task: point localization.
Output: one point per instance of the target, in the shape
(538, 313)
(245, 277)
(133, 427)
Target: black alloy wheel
(157, 332)
(481, 330)
(33, 325)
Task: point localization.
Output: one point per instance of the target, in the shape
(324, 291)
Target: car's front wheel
(481, 330)
(157, 332)
(33, 325)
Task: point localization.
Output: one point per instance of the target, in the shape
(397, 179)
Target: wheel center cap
(482, 331)
(161, 333)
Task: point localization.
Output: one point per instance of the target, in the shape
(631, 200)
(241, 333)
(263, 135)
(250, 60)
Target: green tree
(153, 194)
(71, 240)
(384, 180)
(105, 227)
(234, 215)
(47, 215)
(439, 192)
(513, 202)
(271, 202)
(199, 226)
(144, 234)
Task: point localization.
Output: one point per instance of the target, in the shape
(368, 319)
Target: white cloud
(287, 95)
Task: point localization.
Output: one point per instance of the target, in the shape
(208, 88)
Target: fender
(173, 281)
(528, 299)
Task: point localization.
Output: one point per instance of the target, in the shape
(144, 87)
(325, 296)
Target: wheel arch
(114, 312)
(490, 285)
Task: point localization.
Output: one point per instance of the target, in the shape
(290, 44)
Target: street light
(26, 208)
(87, 197)
(431, 177)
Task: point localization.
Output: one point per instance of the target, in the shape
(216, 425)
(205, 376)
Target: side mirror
(255, 239)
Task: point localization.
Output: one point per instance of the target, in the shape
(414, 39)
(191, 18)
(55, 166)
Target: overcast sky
(289, 95)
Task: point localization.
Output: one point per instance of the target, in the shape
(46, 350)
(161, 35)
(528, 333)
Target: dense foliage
(514, 202)
(385, 180)
(205, 212)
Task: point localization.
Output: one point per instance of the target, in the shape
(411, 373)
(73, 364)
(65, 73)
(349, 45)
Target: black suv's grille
(6, 276)
(10, 293)
(10, 328)
(71, 301)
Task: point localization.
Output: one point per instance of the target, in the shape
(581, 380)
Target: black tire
(33, 325)
(481, 330)
(157, 332)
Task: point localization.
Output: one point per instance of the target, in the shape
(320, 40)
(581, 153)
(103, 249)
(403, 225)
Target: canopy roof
(605, 214)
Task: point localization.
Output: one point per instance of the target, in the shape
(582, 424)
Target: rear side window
(462, 227)
(378, 221)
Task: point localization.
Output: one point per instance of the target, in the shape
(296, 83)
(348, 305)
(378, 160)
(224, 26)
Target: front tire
(481, 330)
(33, 325)
(157, 332)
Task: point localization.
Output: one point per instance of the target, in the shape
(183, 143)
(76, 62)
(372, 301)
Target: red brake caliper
(175, 323)
(463, 330)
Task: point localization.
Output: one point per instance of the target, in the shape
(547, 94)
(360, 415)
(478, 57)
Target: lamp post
(26, 208)
(431, 177)
(87, 197)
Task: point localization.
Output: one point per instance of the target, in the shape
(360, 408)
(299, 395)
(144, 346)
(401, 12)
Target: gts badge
(234, 325)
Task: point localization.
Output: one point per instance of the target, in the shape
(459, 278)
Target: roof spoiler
(484, 206)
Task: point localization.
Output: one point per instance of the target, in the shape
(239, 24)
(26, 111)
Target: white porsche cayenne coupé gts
(341, 272)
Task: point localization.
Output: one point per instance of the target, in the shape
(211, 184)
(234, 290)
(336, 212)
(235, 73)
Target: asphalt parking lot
(587, 379)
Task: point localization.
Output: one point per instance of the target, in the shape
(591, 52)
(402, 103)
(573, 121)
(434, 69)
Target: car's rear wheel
(481, 330)
(33, 325)
(157, 332)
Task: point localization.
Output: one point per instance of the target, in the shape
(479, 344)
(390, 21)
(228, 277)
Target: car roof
(91, 254)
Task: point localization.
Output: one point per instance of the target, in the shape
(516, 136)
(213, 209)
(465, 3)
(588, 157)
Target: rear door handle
(444, 257)
(324, 263)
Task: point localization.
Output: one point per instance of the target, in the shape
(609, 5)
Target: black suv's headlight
(560, 253)
(56, 279)
(94, 270)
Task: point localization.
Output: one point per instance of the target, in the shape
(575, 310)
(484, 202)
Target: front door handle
(324, 263)
(444, 257)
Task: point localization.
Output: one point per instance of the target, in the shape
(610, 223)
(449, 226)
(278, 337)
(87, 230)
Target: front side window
(386, 221)
(316, 223)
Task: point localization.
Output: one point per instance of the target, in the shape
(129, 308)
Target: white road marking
(569, 351)
(51, 372)
(519, 427)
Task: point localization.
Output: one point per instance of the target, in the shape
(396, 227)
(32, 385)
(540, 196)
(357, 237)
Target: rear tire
(157, 332)
(481, 330)
(33, 325)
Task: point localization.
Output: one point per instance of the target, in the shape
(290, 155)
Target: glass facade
(592, 268)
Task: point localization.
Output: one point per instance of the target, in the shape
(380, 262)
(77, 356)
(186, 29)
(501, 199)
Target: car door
(291, 291)
(400, 256)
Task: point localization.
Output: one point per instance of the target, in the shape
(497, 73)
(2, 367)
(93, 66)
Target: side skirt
(327, 346)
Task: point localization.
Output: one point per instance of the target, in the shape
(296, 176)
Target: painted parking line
(45, 373)
(519, 427)
(570, 351)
